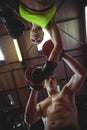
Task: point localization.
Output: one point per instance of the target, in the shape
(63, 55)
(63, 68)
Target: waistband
(42, 10)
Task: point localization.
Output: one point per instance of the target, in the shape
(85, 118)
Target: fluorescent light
(19, 124)
(11, 99)
(86, 20)
(17, 49)
(2, 57)
(46, 37)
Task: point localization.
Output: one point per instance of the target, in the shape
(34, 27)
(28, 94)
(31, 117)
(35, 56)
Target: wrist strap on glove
(62, 54)
(35, 87)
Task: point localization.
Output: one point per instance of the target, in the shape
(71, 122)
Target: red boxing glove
(39, 74)
(28, 78)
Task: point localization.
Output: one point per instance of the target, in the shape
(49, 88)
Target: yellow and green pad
(40, 18)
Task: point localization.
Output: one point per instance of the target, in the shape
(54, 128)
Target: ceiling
(13, 87)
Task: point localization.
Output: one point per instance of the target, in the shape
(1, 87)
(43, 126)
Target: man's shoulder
(66, 89)
(45, 101)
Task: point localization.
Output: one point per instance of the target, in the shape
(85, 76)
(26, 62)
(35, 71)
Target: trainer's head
(36, 34)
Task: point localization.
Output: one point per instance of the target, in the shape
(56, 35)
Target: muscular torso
(60, 112)
(38, 4)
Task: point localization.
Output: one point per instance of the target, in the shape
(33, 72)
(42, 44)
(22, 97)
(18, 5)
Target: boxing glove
(39, 74)
(14, 27)
(28, 77)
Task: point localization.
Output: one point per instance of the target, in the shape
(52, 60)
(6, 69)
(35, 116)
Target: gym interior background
(14, 91)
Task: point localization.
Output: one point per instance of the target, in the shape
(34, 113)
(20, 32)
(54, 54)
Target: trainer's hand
(31, 83)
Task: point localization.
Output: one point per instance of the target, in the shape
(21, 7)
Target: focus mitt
(14, 27)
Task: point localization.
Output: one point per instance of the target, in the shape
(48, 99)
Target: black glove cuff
(14, 27)
(48, 69)
(7, 14)
(62, 54)
(33, 87)
(49, 65)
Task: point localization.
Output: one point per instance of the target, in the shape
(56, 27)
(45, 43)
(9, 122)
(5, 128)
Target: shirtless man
(59, 108)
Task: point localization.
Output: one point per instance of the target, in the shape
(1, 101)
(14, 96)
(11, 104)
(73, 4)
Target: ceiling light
(2, 57)
(17, 49)
(46, 37)
(19, 124)
(11, 99)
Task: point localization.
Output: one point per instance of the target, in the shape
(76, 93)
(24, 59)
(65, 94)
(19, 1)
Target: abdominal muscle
(61, 117)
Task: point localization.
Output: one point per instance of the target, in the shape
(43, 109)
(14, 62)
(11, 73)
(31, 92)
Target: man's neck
(34, 26)
(56, 91)
(52, 93)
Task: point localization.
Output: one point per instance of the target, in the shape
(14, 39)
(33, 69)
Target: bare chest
(61, 112)
(60, 103)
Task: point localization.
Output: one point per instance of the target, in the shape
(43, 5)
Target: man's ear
(43, 84)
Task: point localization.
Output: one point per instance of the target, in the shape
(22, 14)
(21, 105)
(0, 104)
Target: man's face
(36, 35)
(50, 82)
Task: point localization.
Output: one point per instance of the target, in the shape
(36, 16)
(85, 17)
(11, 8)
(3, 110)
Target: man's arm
(79, 73)
(32, 112)
(57, 41)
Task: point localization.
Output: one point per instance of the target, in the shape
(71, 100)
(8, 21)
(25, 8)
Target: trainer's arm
(57, 41)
